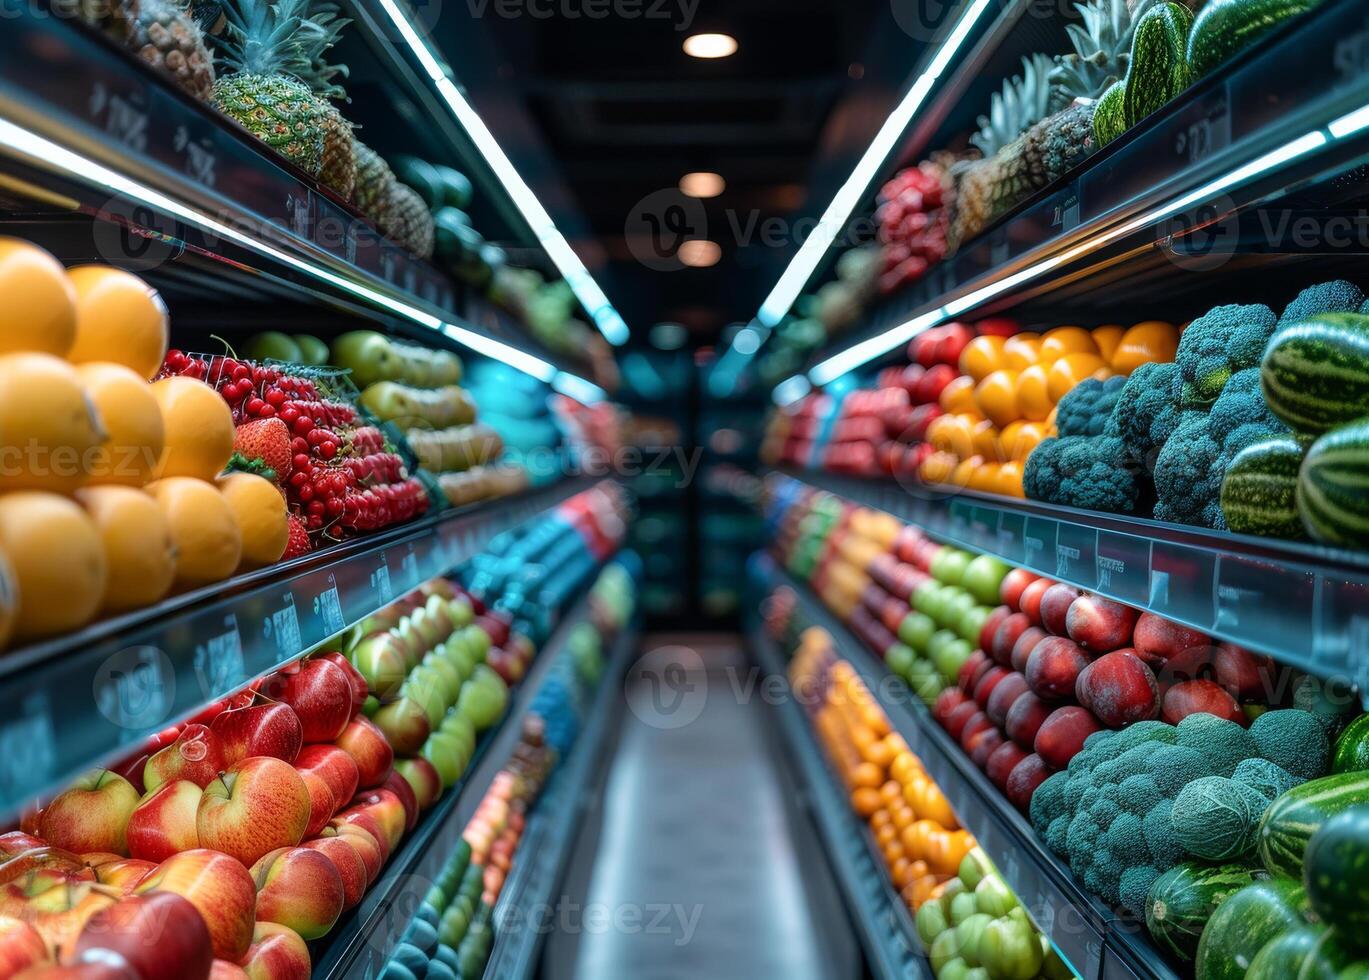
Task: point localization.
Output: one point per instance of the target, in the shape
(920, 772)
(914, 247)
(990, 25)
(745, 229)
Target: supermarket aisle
(701, 864)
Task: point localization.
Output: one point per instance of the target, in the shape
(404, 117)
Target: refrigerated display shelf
(1092, 938)
(1305, 604)
(545, 852)
(147, 670)
(1289, 112)
(887, 931)
(360, 947)
(86, 128)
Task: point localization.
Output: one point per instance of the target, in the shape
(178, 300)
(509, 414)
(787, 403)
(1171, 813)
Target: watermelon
(1109, 121)
(1184, 898)
(1336, 956)
(1159, 61)
(1351, 753)
(1259, 490)
(1315, 373)
(1336, 871)
(1283, 957)
(1294, 817)
(1244, 923)
(1332, 496)
(1225, 27)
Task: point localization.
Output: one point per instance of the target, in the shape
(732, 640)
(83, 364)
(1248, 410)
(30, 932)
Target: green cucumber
(1260, 489)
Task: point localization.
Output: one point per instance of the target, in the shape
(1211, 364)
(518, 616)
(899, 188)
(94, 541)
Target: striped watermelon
(1244, 923)
(1259, 490)
(1315, 374)
(1294, 817)
(1337, 871)
(1284, 957)
(1333, 486)
(1352, 747)
(1184, 898)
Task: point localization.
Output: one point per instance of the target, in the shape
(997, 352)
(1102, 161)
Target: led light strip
(788, 392)
(586, 290)
(44, 153)
(862, 353)
(810, 253)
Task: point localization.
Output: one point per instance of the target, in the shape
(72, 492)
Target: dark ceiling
(623, 113)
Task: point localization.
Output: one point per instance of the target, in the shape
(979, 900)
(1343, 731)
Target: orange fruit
(958, 396)
(885, 834)
(984, 437)
(982, 356)
(985, 478)
(951, 434)
(904, 766)
(1022, 351)
(1010, 479)
(880, 818)
(865, 800)
(868, 776)
(1033, 394)
(1069, 370)
(1066, 340)
(964, 473)
(996, 397)
(1108, 338)
(935, 807)
(891, 792)
(1019, 441)
(937, 468)
(1145, 343)
(903, 816)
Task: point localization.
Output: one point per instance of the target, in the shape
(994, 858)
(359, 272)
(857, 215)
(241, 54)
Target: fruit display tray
(360, 946)
(1092, 938)
(1291, 110)
(1305, 604)
(536, 877)
(154, 667)
(883, 921)
(92, 130)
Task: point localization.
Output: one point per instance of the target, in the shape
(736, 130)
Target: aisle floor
(701, 862)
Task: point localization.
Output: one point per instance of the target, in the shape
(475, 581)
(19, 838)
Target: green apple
(446, 756)
(405, 725)
(993, 896)
(1009, 949)
(956, 969)
(931, 922)
(313, 351)
(450, 677)
(428, 692)
(952, 657)
(939, 641)
(944, 949)
(963, 906)
(272, 345)
(899, 659)
(368, 355)
(925, 681)
(382, 662)
(916, 630)
(926, 597)
(949, 565)
(972, 622)
(968, 932)
(974, 867)
(958, 603)
(983, 576)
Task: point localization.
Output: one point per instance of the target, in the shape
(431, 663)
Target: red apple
(320, 693)
(110, 970)
(56, 907)
(367, 746)
(1024, 646)
(946, 702)
(983, 745)
(223, 970)
(1028, 774)
(1244, 675)
(1158, 639)
(1119, 689)
(1062, 735)
(322, 803)
(360, 840)
(1002, 762)
(124, 874)
(989, 683)
(160, 935)
(195, 755)
(277, 953)
(974, 667)
(424, 781)
(400, 787)
(388, 810)
(219, 887)
(335, 766)
(1192, 697)
(19, 841)
(1100, 625)
(1030, 602)
(92, 815)
(258, 727)
(300, 888)
(1013, 585)
(1001, 646)
(1055, 607)
(163, 823)
(253, 808)
(366, 821)
(20, 946)
(960, 717)
(1053, 667)
(1004, 696)
(977, 723)
(1025, 718)
(349, 865)
(990, 627)
(354, 678)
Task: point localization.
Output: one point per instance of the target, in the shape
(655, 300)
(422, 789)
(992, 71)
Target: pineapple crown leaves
(1024, 101)
(266, 37)
(1102, 49)
(320, 31)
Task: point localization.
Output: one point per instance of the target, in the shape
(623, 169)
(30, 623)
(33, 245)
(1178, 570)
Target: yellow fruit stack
(840, 577)
(1003, 404)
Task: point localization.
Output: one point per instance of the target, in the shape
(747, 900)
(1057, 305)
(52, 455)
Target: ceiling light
(703, 184)
(699, 253)
(710, 45)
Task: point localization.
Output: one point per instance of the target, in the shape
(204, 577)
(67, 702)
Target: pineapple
(1102, 49)
(165, 35)
(413, 221)
(374, 194)
(265, 44)
(320, 33)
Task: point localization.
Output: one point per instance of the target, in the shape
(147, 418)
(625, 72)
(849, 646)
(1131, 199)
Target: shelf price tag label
(408, 567)
(380, 581)
(135, 689)
(199, 161)
(1205, 127)
(119, 117)
(328, 608)
(1351, 56)
(283, 626)
(218, 660)
(1123, 567)
(1038, 544)
(28, 750)
(1076, 548)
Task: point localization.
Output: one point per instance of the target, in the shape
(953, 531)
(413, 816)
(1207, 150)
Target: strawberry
(298, 542)
(267, 440)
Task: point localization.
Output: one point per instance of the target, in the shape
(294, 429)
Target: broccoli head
(1048, 802)
(1056, 834)
(1292, 739)
(1086, 408)
(1134, 892)
(1126, 840)
(1217, 345)
(1225, 743)
(1240, 417)
(1140, 794)
(1175, 766)
(1104, 812)
(1091, 473)
(1147, 410)
(1158, 828)
(1079, 784)
(1188, 475)
(1267, 779)
(1337, 296)
(1081, 839)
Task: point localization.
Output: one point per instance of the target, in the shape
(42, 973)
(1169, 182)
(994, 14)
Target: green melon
(1259, 490)
(1351, 753)
(1336, 871)
(1183, 899)
(1226, 27)
(1282, 957)
(1291, 821)
(1315, 373)
(1109, 120)
(1333, 486)
(1244, 923)
(1159, 61)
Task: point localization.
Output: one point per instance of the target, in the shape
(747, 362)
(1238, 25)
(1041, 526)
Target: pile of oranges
(1003, 403)
(920, 840)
